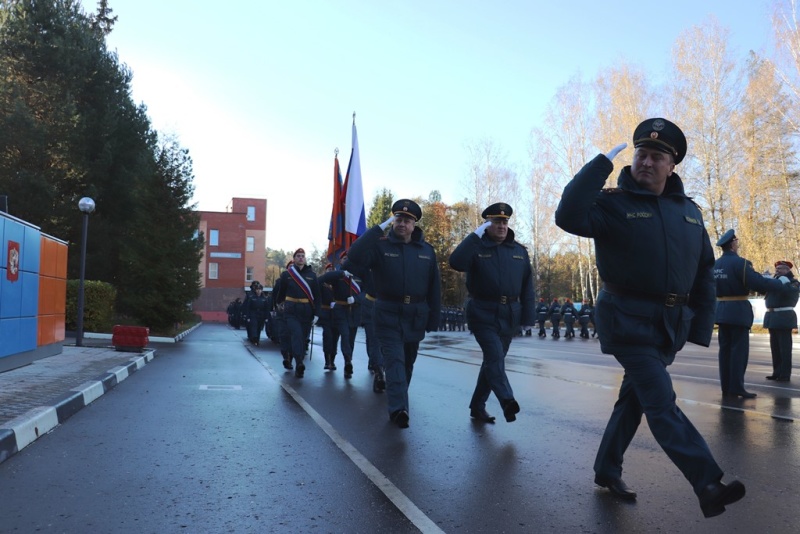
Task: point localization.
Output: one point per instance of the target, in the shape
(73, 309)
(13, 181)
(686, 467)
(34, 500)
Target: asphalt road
(214, 436)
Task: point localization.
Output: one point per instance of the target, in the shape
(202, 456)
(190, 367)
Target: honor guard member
(542, 310)
(345, 314)
(500, 285)
(555, 318)
(299, 294)
(255, 309)
(569, 314)
(368, 322)
(329, 340)
(284, 339)
(584, 317)
(780, 320)
(736, 278)
(408, 291)
(651, 306)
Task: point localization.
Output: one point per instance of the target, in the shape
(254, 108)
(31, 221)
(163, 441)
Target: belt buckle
(503, 299)
(407, 299)
(672, 298)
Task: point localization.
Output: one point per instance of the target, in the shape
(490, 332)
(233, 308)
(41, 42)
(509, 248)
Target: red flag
(336, 233)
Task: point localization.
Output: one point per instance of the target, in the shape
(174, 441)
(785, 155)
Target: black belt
(502, 299)
(667, 299)
(405, 299)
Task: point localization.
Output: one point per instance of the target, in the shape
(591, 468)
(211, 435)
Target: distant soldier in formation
(235, 313)
(780, 320)
(345, 311)
(569, 314)
(368, 322)
(255, 309)
(542, 309)
(584, 318)
(555, 318)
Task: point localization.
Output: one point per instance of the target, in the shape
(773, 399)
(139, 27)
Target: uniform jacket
(256, 307)
(647, 243)
(736, 277)
(289, 288)
(496, 270)
(341, 310)
(398, 270)
(585, 315)
(787, 298)
(542, 309)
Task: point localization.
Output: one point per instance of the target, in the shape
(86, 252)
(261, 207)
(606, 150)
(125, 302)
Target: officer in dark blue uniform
(736, 278)
(408, 291)
(346, 311)
(255, 309)
(367, 321)
(584, 317)
(541, 316)
(299, 294)
(649, 308)
(500, 285)
(569, 314)
(555, 318)
(780, 320)
(329, 336)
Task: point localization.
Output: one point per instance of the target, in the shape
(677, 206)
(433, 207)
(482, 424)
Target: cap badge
(653, 135)
(658, 125)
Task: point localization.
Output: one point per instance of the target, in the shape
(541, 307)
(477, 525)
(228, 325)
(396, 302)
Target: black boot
(348, 369)
(379, 380)
(327, 361)
(287, 361)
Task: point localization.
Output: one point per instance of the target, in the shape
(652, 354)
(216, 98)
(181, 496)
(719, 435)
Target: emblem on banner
(12, 264)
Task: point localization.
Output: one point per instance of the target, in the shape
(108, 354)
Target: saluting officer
(649, 308)
(736, 278)
(780, 320)
(500, 285)
(408, 291)
(299, 294)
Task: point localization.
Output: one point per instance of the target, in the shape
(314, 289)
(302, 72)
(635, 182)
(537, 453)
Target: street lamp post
(86, 205)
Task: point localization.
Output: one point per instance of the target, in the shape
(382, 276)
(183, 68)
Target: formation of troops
(388, 282)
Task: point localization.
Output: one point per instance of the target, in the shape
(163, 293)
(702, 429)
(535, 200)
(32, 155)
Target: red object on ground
(130, 338)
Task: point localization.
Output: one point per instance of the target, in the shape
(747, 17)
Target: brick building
(234, 255)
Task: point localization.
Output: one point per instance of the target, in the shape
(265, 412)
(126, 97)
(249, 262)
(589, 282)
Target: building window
(251, 213)
(213, 271)
(251, 244)
(248, 276)
(213, 238)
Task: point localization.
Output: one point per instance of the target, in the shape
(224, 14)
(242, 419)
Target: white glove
(616, 150)
(350, 300)
(314, 320)
(333, 304)
(348, 274)
(784, 280)
(385, 224)
(482, 228)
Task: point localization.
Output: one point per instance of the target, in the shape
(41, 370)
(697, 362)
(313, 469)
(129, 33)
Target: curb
(20, 432)
(154, 339)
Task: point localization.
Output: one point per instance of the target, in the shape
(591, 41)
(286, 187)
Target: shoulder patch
(611, 190)
(691, 220)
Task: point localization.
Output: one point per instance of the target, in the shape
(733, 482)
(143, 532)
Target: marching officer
(584, 316)
(736, 278)
(648, 309)
(299, 294)
(408, 291)
(555, 318)
(569, 314)
(542, 310)
(368, 322)
(255, 309)
(329, 335)
(346, 311)
(781, 319)
(500, 285)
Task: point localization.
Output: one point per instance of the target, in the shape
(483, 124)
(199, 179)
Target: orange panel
(48, 257)
(59, 296)
(61, 261)
(60, 327)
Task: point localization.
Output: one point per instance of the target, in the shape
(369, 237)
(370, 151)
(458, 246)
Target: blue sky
(262, 92)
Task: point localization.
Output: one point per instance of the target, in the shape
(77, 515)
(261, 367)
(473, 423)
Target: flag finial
(336, 152)
(354, 117)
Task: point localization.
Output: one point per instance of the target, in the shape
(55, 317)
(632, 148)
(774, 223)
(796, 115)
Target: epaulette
(610, 190)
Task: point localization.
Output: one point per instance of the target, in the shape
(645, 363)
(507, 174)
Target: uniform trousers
(373, 349)
(398, 358)
(542, 319)
(298, 324)
(734, 350)
(254, 326)
(647, 388)
(780, 343)
(492, 375)
(341, 315)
